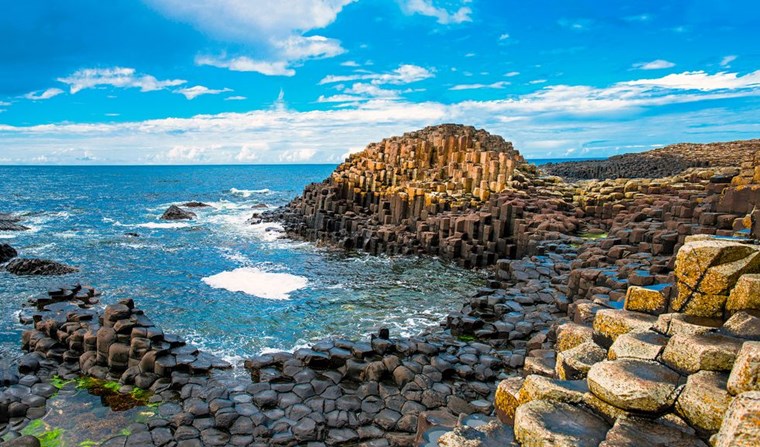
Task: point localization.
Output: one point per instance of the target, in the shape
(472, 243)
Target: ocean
(229, 287)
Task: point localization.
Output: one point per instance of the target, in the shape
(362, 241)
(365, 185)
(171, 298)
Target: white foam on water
(7, 236)
(248, 192)
(157, 225)
(268, 231)
(256, 282)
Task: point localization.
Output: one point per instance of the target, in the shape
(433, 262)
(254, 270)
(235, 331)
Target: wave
(256, 282)
(268, 231)
(248, 192)
(157, 225)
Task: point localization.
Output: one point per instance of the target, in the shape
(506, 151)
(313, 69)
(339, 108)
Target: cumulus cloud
(45, 94)
(272, 29)
(235, 98)
(558, 112)
(456, 13)
(657, 64)
(726, 61)
(198, 90)
(119, 77)
(404, 74)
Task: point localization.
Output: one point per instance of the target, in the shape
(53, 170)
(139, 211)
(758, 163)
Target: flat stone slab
(542, 422)
(574, 364)
(609, 324)
(704, 400)
(634, 385)
(701, 352)
(645, 345)
(638, 432)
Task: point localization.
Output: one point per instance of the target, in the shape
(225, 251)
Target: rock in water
(7, 253)
(9, 222)
(194, 204)
(176, 213)
(22, 266)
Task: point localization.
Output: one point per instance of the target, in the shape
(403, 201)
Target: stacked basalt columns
(660, 370)
(123, 344)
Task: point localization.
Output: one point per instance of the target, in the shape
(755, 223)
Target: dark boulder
(9, 222)
(176, 213)
(7, 253)
(195, 204)
(20, 266)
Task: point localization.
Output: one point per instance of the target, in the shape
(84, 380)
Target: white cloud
(404, 74)
(726, 61)
(349, 64)
(537, 81)
(700, 80)
(512, 74)
(272, 29)
(361, 92)
(46, 94)
(243, 63)
(459, 14)
(577, 114)
(198, 90)
(235, 98)
(4, 104)
(657, 64)
(504, 36)
(495, 85)
(250, 152)
(119, 77)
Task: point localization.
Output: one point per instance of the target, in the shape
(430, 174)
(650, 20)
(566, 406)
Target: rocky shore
(619, 312)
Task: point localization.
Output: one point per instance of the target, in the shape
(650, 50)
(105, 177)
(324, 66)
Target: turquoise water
(183, 274)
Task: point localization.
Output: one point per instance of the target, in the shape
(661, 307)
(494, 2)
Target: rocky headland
(619, 312)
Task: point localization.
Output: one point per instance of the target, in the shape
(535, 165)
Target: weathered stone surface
(646, 345)
(574, 363)
(638, 432)
(21, 266)
(491, 434)
(675, 323)
(746, 294)
(704, 400)
(176, 213)
(635, 385)
(609, 324)
(745, 375)
(742, 325)
(646, 299)
(507, 398)
(741, 425)
(537, 387)
(541, 422)
(570, 335)
(704, 352)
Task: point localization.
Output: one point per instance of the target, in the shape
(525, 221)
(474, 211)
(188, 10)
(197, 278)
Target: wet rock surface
(176, 213)
(7, 253)
(24, 266)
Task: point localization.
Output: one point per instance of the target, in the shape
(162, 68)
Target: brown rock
(704, 400)
(741, 425)
(745, 375)
(704, 352)
(543, 423)
(634, 385)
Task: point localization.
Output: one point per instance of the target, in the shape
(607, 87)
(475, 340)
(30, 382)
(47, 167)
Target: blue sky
(308, 81)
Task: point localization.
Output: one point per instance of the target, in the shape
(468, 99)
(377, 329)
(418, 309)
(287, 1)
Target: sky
(310, 81)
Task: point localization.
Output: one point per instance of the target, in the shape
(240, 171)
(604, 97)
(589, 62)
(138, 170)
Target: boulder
(741, 425)
(22, 266)
(573, 364)
(7, 253)
(176, 213)
(9, 222)
(543, 422)
(745, 375)
(696, 256)
(649, 300)
(570, 335)
(702, 352)
(638, 432)
(745, 296)
(634, 385)
(194, 204)
(704, 400)
(506, 399)
(609, 324)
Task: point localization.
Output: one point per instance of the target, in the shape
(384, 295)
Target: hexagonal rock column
(703, 352)
(704, 400)
(541, 423)
(609, 324)
(634, 385)
(638, 432)
(741, 425)
(745, 375)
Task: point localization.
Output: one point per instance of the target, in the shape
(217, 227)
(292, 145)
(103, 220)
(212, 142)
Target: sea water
(232, 288)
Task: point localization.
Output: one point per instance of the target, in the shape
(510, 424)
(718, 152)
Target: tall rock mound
(662, 162)
(445, 190)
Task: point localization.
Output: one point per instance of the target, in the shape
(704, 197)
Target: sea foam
(256, 282)
(248, 192)
(163, 225)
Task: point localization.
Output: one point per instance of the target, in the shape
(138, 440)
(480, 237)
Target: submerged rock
(194, 204)
(21, 266)
(7, 253)
(176, 213)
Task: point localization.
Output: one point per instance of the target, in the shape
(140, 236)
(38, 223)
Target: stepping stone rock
(507, 400)
(609, 324)
(675, 323)
(634, 385)
(542, 422)
(704, 400)
(570, 335)
(706, 352)
(645, 345)
(745, 375)
(574, 364)
(648, 300)
(741, 425)
(637, 432)
(538, 387)
(742, 325)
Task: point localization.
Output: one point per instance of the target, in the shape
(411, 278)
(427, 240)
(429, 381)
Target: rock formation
(23, 266)
(664, 162)
(9, 222)
(7, 253)
(176, 213)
